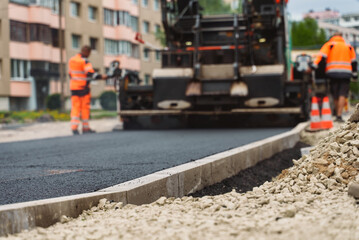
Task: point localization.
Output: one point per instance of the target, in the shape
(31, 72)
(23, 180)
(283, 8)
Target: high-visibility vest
(339, 57)
(81, 72)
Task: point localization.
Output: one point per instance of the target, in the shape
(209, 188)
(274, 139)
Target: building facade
(234, 4)
(332, 21)
(29, 67)
(328, 16)
(350, 20)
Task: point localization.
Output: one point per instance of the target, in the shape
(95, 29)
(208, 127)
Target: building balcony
(125, 61)
(35, 51)
(34, 14)
(121, 5)
(20, 88)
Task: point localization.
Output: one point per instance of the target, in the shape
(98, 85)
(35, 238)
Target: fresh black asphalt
(40, 169)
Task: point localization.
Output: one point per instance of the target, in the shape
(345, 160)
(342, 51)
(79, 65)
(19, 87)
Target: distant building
(350, 35)
(350, 20)
(331, 21)
(328, 16)
(233, 3)
(30, 54)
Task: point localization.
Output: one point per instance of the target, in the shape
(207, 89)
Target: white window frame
(72, 41)
(143, 3)
(147, 79)
(146, 50)
(156, 5)
(144, 23)
(72, 4)
(158, 56)
(20, 75)
(94, 13)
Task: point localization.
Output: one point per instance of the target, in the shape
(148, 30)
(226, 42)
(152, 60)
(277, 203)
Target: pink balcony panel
(119, 33)
(109, 88)
(20, 89)
(18, 12)
(126, 62)
(55, 87)
(34, 14)
(123, 5)
(36, 51)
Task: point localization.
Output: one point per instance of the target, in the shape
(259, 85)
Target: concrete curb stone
(173, 182)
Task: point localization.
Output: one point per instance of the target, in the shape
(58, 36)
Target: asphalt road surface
(40, 169)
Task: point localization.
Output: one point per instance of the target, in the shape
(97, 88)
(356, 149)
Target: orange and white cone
(327, 122)
(315, 122)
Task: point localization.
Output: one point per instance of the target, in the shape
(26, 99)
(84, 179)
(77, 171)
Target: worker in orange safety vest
(341, 66)
(81, 73)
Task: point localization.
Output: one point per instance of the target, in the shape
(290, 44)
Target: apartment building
(234, 3)
(29, 30)
(327, 16)
(350, 20)
(332, 21)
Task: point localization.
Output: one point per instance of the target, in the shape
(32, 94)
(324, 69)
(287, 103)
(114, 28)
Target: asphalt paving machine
(217, 67)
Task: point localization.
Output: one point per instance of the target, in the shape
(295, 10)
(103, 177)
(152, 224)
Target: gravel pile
(306, 201)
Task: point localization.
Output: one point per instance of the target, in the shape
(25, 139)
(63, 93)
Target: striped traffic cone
(315, 122)
(327, 122)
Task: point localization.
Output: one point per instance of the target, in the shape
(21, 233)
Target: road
(40, 169)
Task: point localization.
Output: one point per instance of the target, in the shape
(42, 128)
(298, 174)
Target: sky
(298, 7)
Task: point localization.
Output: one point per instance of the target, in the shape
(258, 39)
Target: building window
(123, 18)
(146, 27)
(157, 28)
(20, 69)
(147, 79)
(55, 37)
(111, 47)
(115, 47)
(135, 51)
(55, 6)
(109, 17)
(94, 44)
(135, 2)
(18, 31)
(76, 41)
(134, 23)
(144, 3)
(125, 48)
(92, 13)
(146, 54)
(40, 33)
(158, 55)
(156, 5)
(75, 9)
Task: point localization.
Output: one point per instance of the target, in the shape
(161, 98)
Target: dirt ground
(255, 176)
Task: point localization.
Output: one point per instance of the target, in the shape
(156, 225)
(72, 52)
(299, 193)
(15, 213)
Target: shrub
(108, 100)
(53, 102)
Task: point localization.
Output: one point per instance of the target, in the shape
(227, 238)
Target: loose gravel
(255, 176)
(306, 201)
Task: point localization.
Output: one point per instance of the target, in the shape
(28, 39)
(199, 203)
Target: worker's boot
(87, 131)
(75, 132)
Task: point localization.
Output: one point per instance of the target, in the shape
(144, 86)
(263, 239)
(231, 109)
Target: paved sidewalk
(51, 130)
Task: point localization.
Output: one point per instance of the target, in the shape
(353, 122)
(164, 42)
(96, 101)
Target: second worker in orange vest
(81, 73)
(341, 66)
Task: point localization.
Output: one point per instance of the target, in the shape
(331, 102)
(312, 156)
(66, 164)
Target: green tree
(53, 102)
(108, 100)
(211, 7)
(306, 33)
